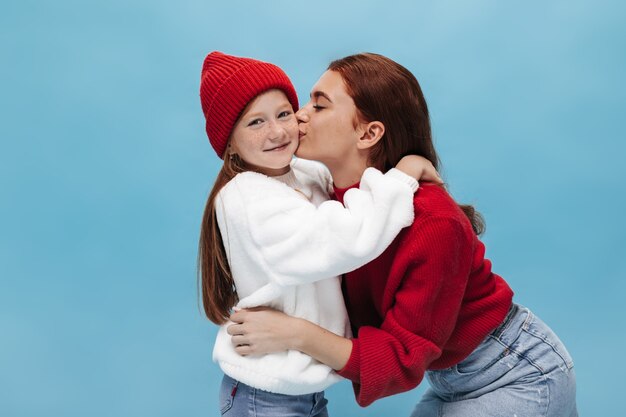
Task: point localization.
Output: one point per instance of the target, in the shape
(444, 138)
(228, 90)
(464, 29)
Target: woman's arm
(392, 357)
(263, 330)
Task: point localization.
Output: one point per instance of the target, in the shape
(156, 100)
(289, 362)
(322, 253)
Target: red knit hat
(228, 84)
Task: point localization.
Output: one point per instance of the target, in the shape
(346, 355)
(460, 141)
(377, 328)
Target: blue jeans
(241, 400)
(521, 369)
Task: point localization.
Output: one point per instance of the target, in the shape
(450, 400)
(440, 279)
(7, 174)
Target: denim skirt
(521, 369)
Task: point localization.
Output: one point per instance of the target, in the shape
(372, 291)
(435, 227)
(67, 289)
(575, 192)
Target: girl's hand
(420, 168)
(262, 330)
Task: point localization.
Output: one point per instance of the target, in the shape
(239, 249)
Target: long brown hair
(214, 275)
(385, 91)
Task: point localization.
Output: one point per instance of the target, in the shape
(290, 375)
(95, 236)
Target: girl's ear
(372, 133)
(229, 151)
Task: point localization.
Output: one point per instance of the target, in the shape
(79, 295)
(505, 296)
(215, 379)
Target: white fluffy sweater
(286, 244)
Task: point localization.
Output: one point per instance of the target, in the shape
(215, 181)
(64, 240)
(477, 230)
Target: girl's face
(329, 128)
(266, 134)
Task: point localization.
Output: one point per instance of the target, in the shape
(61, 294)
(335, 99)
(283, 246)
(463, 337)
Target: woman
(429, 305)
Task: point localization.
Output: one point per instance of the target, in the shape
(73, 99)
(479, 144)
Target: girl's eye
(317, 107)
(255, 122)
(284, 114)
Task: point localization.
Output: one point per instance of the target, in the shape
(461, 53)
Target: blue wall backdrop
(105, 168)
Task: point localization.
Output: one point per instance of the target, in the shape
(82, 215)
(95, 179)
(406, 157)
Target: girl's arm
(294, 242)
(419, 168)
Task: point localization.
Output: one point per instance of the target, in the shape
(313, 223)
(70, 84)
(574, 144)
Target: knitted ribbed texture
(426, 303)
(228, 83)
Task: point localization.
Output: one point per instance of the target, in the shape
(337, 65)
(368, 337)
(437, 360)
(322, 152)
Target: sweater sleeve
(394, 357)
(302, 243)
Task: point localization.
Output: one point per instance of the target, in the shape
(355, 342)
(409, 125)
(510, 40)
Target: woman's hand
(420, 168)
(262, 330)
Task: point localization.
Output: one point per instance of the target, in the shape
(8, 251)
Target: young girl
(270, 238)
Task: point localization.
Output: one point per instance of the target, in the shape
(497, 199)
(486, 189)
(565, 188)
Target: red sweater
(426, 303)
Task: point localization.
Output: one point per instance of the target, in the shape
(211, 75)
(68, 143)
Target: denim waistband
(509, 316)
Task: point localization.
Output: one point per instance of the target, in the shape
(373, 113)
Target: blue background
(105, 168)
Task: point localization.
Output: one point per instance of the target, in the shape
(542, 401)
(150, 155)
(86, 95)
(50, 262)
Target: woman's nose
(302, 115)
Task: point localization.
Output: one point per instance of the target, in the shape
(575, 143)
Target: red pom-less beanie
(228, 84)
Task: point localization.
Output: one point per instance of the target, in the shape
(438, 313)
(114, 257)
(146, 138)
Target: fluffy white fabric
(286, 243)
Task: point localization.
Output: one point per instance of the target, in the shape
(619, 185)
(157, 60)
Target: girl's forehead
(267, 101)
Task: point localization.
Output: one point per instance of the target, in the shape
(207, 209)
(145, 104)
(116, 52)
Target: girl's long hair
(385, 91)
(214, 275)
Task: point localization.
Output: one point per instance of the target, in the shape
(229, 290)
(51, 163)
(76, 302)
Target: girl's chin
(282, 163)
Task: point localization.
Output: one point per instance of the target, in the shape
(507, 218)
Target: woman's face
(328, 122)
(266, 134)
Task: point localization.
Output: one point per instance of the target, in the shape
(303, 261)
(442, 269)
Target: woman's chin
(302, 152)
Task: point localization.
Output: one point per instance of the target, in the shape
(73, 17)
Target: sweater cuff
(352, 369)
(404, 178)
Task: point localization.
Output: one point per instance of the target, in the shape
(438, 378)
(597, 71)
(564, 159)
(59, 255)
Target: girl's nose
(276, 130)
